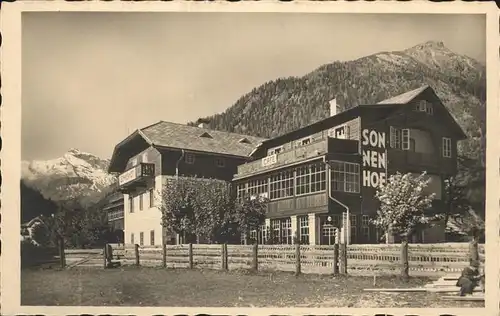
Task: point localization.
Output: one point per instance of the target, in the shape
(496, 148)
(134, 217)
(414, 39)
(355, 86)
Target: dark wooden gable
(126, 149)
(441, 118)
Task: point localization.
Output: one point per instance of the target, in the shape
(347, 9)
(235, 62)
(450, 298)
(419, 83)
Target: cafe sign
(269, 160)
(127, 176)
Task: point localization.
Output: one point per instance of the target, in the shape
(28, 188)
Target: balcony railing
(136, 174)
(287, 157)
(115, 215)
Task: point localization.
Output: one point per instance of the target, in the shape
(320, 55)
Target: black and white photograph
(249, 159)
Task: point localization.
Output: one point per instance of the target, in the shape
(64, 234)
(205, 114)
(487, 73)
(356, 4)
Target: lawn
(134, 286)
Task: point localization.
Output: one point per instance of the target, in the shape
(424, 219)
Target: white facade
(146, 220)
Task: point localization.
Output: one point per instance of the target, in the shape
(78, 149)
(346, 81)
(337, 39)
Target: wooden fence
(423, 259)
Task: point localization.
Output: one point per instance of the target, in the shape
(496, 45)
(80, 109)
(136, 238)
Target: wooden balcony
(115, 215)
(136, 176)
(294, 155)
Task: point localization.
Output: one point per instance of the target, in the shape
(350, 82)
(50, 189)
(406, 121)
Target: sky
(91, 79)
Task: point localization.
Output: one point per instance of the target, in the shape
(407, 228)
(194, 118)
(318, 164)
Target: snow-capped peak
(74, 174)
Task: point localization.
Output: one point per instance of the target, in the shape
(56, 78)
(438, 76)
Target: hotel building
(319, 175)
(150, 156)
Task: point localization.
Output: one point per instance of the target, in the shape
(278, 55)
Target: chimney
(334, 107)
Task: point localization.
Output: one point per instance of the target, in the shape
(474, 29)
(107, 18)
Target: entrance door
(327, 235)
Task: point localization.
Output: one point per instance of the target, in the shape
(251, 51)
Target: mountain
(76, 176)
(285, 104)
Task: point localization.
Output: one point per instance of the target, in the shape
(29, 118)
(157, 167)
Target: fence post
(297, 258)
(62, 254)
(105, 256)
(343, 258)
(164, 253)
(223, 257)
(335, 259)
(404, 260)
(473, 250)
(137, 261)
(255, 262)
(190, 256)
(227, 256)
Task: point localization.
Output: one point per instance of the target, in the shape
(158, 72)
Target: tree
(249, 213)
(208, 209)
(403, 205)
(33, 204)
(78, 227)
(455, 199)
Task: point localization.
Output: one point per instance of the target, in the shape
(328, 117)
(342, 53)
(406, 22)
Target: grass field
(159, 287)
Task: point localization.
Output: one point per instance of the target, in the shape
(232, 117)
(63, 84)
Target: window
(189, 159)
(345, 177)
(303, 178)
(446, 147)
(219, 162)
(141, 239)
(258, 187)
(400, 138)
(241, 190)
(429, 109)
(286, 231)
(353, 228)
(405, 139)
(365, 222)
(132, 238)
(152, 237)
(303, 142)
(275, 231)
(253, 236)
(274, 151)
(131, 203)
(263, 235)
(424, 106)
(318, 177)
(304, 230)
(243, 239)
(310, 178)
(151, 198)
(141, 202)
(282, 185)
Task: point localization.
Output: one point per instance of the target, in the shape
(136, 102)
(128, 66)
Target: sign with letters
(374, 158)
(269, 160)
(127, 176)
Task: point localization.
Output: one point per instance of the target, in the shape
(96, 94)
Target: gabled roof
(396, 101)
(409, 96)
(179, 136)
(406, 97)
(174, 135)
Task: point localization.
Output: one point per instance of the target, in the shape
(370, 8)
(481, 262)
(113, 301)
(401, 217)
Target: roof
(405, 97)
(174, 135)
